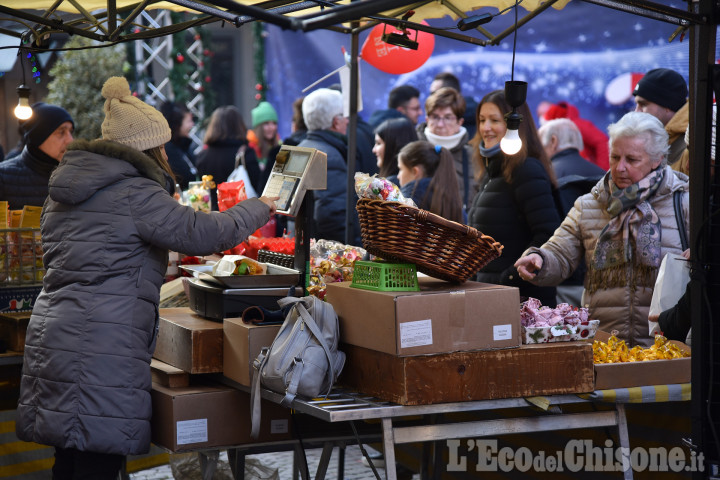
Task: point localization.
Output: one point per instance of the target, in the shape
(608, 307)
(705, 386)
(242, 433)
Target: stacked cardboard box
(242, 343)
(449, 343)
(189, 342)
(208, 416)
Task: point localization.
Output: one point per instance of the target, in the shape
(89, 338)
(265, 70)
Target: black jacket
(24, 179)
(218, 160)
(675, 322)
(518, 215)
(182, 161)
(569, 162)
(330, 208)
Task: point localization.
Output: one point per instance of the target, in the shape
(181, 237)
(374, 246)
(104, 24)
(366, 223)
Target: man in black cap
(24, 178)
(662, 93)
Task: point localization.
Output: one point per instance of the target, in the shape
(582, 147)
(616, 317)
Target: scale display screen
(296, 163)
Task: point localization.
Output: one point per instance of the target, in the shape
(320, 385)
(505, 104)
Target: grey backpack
(303, 359)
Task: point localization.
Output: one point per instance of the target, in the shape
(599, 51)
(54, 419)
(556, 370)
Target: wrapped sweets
(379, 188)
(198, 194)
(617, 351)
(533, 314)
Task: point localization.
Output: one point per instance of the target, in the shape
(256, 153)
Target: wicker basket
(439, 247)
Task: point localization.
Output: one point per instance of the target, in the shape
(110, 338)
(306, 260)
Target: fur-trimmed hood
(91, 165)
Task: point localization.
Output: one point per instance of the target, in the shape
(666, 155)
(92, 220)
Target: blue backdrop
(571, 54)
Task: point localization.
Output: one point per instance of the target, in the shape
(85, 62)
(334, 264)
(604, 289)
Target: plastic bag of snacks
(198, 194)
(331, 262)
(379, 188)
(230, 193)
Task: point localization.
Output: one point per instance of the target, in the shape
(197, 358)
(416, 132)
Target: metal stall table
(342, 406)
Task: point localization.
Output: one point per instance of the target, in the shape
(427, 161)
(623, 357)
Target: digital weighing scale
(296, 172)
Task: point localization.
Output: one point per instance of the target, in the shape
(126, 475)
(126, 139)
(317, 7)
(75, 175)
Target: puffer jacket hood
(102, 163)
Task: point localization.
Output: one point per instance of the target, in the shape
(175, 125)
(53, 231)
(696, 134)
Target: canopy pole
(352, 138)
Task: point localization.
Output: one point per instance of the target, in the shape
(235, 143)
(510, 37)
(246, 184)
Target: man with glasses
(444, 111)
(402, 101)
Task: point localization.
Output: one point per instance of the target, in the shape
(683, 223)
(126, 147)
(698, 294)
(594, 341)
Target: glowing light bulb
(23, 111)
(511, 142)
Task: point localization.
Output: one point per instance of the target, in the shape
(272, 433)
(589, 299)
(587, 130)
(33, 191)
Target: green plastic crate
(385, 276)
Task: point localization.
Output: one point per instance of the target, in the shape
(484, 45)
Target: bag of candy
(379, 188)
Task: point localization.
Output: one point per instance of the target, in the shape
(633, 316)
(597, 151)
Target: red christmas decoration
(394, 59)
(201, 64)
(258, 96)
(197, 36)
(180, 58)
(208, 79)
(206, 52)
(258, 87)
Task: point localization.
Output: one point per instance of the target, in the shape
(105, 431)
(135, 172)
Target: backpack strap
(255, 395)
(677, 203)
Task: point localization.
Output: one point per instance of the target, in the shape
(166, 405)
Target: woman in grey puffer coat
(107, 226)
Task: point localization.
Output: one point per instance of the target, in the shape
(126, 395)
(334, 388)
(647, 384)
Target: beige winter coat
(621, 309)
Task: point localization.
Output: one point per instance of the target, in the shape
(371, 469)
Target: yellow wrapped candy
(616, 351)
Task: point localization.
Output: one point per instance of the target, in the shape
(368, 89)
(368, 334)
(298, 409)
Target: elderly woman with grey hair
(623, 228)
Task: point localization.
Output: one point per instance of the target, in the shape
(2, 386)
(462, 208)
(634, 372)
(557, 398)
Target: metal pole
(352, 139)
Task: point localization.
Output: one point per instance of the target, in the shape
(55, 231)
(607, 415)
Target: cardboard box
(209, 416)
(241, 345)
(12, 330)
(189, 342)
(167, 375)
(442, 317)
(638, 374)
(530, 370)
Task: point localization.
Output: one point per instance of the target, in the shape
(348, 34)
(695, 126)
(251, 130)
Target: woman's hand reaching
(528, 266)
(270, 202)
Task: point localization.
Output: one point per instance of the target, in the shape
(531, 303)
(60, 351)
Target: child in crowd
(390, 136)
(427, 175)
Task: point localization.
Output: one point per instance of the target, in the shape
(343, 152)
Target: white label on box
(416, 334)
(192, 431)
(279, 426)
(502, 332)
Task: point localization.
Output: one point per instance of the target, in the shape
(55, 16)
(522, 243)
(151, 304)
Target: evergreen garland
(181, 82)
(259, 61)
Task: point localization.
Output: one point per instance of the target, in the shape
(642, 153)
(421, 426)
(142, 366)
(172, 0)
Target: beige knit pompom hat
(129, 120)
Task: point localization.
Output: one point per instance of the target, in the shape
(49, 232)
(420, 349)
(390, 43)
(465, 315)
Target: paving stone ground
(283, 461)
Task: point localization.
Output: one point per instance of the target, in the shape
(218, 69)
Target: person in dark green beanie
(262, 138)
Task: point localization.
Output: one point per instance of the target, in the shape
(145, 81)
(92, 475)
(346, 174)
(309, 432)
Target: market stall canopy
(112, 21)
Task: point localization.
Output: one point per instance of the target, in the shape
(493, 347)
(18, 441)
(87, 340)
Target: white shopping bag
(673, 276)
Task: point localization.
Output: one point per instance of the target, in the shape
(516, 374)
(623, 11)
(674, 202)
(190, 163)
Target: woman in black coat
(515, 204)
(225, 147)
